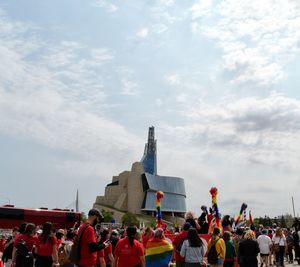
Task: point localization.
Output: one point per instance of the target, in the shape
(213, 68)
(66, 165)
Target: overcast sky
(82, 80)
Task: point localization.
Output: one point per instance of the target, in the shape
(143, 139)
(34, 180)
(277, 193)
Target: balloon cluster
(159, 196)
(214, 192)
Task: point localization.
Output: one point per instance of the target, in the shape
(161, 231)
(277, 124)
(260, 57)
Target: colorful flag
(158, 252)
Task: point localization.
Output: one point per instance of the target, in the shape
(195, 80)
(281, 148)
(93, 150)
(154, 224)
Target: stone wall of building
(135, 188)
(128, 195)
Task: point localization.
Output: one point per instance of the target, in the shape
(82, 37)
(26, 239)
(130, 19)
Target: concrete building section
(134, 191)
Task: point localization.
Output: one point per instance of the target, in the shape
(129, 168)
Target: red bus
(61, 218)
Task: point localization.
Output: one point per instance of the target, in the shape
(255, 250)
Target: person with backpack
(8, 249)
(216, 249)
(46, 247)
(23, 247)
(248, 250)
(65, 248)
(86, 245)
(192, 249)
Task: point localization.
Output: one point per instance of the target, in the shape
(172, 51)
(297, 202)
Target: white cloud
(101, 55)
(201, 8)
(50, 100)
(181, 98)
(129, 85)
(159, 28)
(151, 30)
(158, 102)
(235, 145)
(107, 5)
(143, 33)
(167, 2)
(257, 37)
(173, 79)
(252, 126)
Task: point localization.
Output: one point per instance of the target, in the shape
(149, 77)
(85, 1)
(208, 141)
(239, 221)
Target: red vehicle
(11, 217)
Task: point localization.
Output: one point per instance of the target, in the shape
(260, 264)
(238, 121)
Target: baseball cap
(95, 212)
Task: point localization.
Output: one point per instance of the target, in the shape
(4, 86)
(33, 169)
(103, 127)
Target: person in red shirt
(108, 256)
(60, 234)
(88, 245)
(177, 243)
(29, 240)
(46, 247)
(2, 243)
(129, 252)
(101, 258)
(148, 234)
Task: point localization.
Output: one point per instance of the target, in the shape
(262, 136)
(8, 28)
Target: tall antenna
(77, 202)
(293, 207)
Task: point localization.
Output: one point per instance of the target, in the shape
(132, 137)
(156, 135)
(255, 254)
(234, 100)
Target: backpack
(74, 255)
(24, 255)
(212, 255)
(22, 249)
(63, 255)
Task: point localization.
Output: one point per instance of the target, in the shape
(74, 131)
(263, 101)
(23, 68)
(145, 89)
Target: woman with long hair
(192, 249)
(46, 247)
(279, 246)
(129, 252)
(147, 235)
(248, 250)
(25, 240)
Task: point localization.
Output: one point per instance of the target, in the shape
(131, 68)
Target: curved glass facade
(173, 188)
(170, 202)
(167, 184)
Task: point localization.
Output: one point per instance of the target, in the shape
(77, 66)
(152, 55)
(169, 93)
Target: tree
(276, 221)
(282, 222)
(129, 219)
(152, 223)
(268, 221)
(108, 215)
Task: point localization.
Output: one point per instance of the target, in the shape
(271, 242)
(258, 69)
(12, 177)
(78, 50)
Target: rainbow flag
(158, 253)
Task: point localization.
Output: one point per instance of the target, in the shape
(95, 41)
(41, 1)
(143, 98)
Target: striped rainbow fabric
(158, 253)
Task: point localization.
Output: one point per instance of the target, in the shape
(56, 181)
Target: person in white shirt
(265, 244)
(279, 246)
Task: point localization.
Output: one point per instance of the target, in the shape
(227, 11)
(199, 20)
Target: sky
(82, 80)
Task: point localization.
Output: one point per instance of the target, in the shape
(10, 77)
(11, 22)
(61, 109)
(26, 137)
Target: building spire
(149, 157)
(77, 202)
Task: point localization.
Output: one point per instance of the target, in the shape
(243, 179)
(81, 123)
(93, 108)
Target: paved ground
(286, 264)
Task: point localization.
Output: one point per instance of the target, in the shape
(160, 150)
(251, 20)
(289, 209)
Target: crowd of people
(90, 245)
